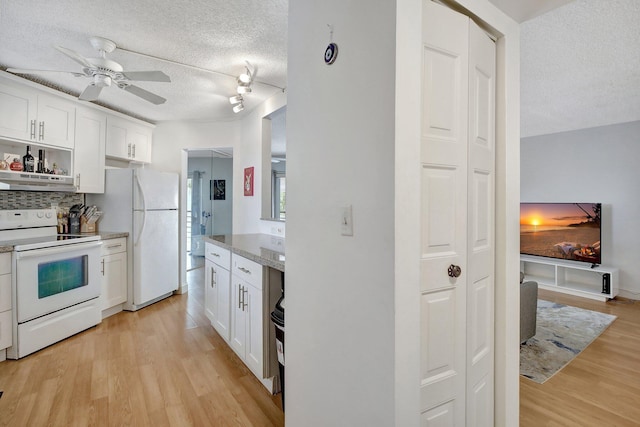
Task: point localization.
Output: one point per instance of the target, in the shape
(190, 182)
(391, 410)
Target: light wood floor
(163, 365)
(601, 386)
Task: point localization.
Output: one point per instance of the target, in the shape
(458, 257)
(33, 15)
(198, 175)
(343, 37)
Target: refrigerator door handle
(144, 209)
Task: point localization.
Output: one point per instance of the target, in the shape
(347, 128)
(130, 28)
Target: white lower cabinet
(217, 288)
(114, 275)
(247, 337)
(246, 320)
(6, 334)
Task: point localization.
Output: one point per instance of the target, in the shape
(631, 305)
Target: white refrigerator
(144, 203)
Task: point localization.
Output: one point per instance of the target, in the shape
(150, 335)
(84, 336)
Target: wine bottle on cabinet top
(27, 161)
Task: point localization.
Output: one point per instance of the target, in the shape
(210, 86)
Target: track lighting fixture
(235, 99)
(244, 80)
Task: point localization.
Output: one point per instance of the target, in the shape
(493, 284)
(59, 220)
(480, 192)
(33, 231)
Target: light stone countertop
(262, 248)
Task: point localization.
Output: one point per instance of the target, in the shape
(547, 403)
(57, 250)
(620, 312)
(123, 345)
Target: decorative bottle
(40, 168)
(27, 161)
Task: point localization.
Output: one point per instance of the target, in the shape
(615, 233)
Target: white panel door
(155, 254)
(457, 220)
(443, 215)
(481, 247)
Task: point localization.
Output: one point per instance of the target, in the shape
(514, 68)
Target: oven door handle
(58, 249)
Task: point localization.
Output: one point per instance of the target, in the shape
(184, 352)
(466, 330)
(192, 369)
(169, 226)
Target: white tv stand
(573, 278)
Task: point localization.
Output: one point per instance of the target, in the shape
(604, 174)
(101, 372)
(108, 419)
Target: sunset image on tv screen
(561, 230)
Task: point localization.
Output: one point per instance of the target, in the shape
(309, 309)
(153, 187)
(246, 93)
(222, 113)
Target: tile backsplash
(37, 199)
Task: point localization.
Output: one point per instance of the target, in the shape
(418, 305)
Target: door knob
(454, 270)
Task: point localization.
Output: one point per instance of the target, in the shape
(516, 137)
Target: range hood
(36, 182)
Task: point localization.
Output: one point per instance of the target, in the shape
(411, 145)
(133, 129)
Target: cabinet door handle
(129, 150)
(134, 151)
(244, 270)
(102, 267)
(33, 129)
(244, 300)
(214, 254)
(113, 246)
(239, 296)
(213, 280)
(41, 131)
(77, 180)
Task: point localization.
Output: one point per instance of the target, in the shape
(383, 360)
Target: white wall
(340, 290)
(592, 165)
(170, 138)
(249, 152)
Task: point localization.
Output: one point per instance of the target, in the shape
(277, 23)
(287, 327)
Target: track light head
(235, 99)
(243, 89)
(238, 108)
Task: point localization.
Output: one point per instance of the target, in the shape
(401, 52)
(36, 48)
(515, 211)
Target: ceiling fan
(104, 72)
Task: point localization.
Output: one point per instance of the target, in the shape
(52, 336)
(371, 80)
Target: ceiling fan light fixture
(235, 99)
(101, 80)
(238, 108)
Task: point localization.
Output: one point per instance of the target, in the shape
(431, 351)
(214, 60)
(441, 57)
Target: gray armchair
(528, 309)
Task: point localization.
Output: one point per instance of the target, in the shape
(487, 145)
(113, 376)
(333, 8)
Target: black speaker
(606, 283)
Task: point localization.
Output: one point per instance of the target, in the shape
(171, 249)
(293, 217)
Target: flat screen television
(569, 231)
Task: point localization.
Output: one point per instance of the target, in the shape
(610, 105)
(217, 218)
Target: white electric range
(55, 280)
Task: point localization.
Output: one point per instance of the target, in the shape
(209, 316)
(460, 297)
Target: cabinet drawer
(113, 246)
(247, 270)
(5, 292)
(6, 336)
(5, 263)
(219, 255)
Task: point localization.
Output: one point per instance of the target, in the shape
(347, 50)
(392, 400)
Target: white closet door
(481, 242)
(443, 215)
(457, 220)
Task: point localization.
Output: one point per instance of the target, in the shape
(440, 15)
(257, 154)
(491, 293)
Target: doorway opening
(209, 200)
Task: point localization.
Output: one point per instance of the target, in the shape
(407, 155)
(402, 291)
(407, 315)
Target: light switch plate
(346, 221)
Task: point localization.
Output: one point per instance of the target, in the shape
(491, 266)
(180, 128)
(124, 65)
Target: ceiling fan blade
(75, 56)
(145, 94)
(147, 76)
(25, 71)
(90, 93)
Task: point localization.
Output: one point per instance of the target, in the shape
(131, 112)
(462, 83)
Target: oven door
(51, 279)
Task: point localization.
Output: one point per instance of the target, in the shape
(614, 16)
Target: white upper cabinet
(29, 115)
(56, 121)
(128, 140)
(88, 156)
(17, 108)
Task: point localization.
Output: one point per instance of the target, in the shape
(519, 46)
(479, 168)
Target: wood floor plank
(163, 365)
(600, 387)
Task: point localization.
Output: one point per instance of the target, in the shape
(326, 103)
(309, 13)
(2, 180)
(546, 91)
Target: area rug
(562, 332)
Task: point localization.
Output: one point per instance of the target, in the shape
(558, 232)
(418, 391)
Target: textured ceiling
(523, 10)
(218, 35)
(580, 67)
